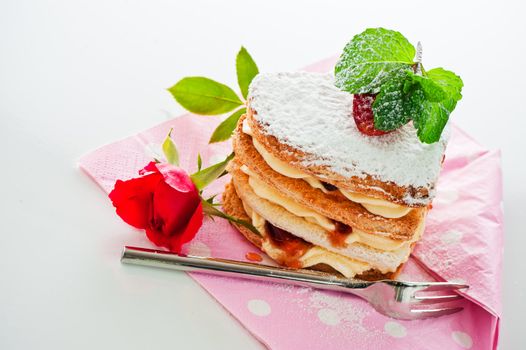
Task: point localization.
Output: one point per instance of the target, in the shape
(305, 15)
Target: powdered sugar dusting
(306, 111)
(342, 313)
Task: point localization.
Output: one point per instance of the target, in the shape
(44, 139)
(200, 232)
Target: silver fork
(395, 299)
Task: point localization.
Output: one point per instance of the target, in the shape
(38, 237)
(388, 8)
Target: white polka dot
(395, 329)
(329, 317)
(462, 339)
(259, 307)
(451, 237)
(447, 196)
(197, 248)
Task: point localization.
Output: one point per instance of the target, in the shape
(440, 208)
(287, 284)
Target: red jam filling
(340, 234)
(294, 247)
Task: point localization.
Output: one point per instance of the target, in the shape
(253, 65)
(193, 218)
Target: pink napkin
(463, 242)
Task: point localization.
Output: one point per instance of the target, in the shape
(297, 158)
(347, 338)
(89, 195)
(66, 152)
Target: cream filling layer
(373, 205)
(257, 220)
(315, 255)
(378, 206)
(268, 193)
(264, 191)
(346, 266)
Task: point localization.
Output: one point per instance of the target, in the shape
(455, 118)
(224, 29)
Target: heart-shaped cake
(337, 172)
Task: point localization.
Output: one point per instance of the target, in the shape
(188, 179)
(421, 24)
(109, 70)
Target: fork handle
(246, 270)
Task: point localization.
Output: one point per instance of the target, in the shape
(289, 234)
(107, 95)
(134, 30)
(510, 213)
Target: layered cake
(321, 185)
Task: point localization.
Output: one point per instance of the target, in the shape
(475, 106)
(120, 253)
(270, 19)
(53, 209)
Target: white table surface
(75, 75)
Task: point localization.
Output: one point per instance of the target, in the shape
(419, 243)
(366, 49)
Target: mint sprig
(381, 61)
(371, 59)
(205, 96)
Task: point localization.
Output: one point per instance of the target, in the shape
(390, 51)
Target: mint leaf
(204, 96)
(433, 118)
(430, 117)
(449, 81)
(227, 127)
(432, 90)
(390, 105)
(428, 101)
(204, 177)
(211, 210)
(371, 59)
(396, 104)
(246, 70)
(170, 150)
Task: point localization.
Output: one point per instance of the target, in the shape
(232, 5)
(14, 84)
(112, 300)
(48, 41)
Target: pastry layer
(333, 205)
(315, 258)
(262, 190)
(384, 261)
(373, 205)
(305, 121)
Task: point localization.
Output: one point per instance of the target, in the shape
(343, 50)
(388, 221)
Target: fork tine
(428, 313)
(436, 299)
(444, 286)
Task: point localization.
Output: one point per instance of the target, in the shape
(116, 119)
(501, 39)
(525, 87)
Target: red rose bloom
(163, 201)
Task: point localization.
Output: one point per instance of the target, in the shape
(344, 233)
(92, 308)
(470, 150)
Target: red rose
(163, 201)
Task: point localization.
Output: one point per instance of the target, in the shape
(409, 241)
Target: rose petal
(157, 237)
(149, 169)
(172, 209)
(189, 232)
(132, 199)
(175, 242)
(176, 177)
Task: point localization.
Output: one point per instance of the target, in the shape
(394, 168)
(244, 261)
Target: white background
(75, 75)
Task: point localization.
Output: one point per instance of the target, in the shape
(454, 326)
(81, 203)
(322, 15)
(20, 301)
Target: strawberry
(362, 110)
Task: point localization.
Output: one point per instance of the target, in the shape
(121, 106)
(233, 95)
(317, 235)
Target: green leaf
(432, 90)
(246, 70)
(403, 99)
(199, 161)
(210, 209)
(432, 119)
(414, 102)
(450, 82)
(389, 107)
(170, 150)
(372, 58)
(227, 127)
(204, 177)
(394, 107)
(204, 96)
